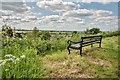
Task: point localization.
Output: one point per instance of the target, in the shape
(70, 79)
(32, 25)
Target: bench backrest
(91, 39)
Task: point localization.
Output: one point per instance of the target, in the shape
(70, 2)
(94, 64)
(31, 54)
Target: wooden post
(91, 45)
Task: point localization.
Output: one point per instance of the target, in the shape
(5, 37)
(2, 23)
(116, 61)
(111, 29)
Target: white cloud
(14, 18)
(71, 18)
(24, 20)
(17, 12)
(102, 1)
(57, 19)
(78, 13)
(57, 6)
(88, 1)
(80, 19)
(86, 12)
(11, 18)
(6, 12)
(17, 7)
(103, 13)
(108, 18)
(32, 17)
(47, 19)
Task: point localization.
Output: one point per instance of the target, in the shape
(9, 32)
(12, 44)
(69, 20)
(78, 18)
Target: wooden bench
(85, 41)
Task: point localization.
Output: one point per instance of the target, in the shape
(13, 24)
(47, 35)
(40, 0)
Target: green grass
(95, 63)
(53, 60)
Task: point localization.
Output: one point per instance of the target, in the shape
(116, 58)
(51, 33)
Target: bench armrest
(72, 42)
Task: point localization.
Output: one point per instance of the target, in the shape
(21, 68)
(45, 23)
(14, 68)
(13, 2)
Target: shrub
(110, 34)
(74, 32)
(19, 60)
(35, 32)
(46, 35)
(94, 31)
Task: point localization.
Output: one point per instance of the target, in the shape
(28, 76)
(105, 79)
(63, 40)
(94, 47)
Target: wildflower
(6, 69)
(6, 59)
(8, 55)
(20, 39)
(2, 63)
(10, 59)
(14, 57)
(14, 62)
(23, 56)
(17, 59)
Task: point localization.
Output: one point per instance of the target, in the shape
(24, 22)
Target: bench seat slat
(75, 46)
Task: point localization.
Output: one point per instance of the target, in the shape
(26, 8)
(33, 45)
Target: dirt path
(74, 66)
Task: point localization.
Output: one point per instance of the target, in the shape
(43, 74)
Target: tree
(74, 32)
(94, 30)
(35, 32)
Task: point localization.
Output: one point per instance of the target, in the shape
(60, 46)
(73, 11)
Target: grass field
(95, 63)
(47, 57)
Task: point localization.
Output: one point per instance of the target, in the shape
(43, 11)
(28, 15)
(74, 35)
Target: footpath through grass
(95, 63)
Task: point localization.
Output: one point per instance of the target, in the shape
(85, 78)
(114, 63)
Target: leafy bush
(92, 31)
(110, 34)
(46, 35)
(74, 32)
(19, 60)
(7, 30)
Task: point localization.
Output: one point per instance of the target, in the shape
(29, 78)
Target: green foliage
(92, 31)
(95, 63)
(74, 32)
(35, 32)
(7, 31)
(46, 35)
(43, 46)
(29, 66)
(110, 34)
(26, 61)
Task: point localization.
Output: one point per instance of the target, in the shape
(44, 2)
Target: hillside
(95, 63)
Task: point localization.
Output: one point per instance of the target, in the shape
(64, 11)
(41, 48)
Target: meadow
(44, 55)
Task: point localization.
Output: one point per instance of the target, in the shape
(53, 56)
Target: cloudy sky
(67, 15)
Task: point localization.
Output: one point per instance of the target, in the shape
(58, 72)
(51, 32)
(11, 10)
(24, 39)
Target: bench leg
(81, 51)
(91, 45)
(68, 50)
(100, 45)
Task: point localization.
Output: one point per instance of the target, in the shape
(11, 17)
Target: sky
(60, 15)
